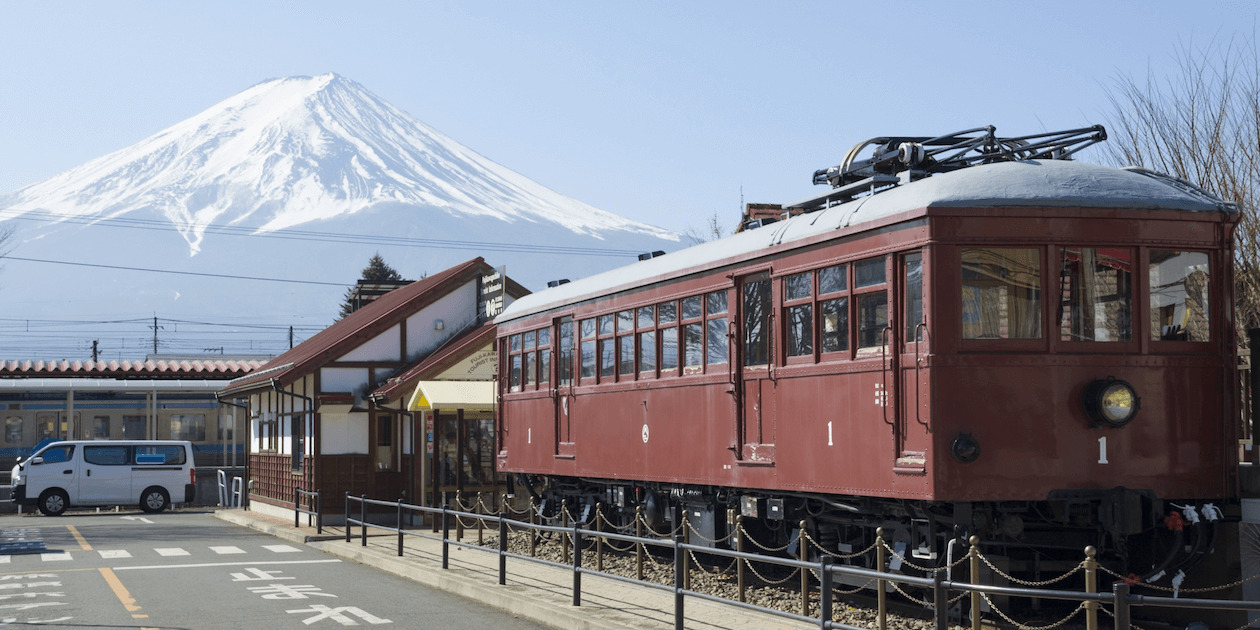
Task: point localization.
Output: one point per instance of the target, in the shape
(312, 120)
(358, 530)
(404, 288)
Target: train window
(835, 324)
(1179, 296)
(669, 350)
(691, 307)
(1001, 293)
(798, 318)
(832, 279)
(668, 312)
(693, 346)
(528, 340)
(564, 357)
(717, 347)
(544, 355)
(588, 349)
(912, 267)
(188, 426)
(625, 321)
(13, 430)
(133, 427)
(868, 273)
(647, 317)
(605, 324)
(647, 351)
(514, 383)
(872, 307)
(757, 302)
(515, 343)
(529, 373)
(625, 354)
(716, 302)
(45, 426)
(100, 428)
(607, 358)
(1095, 294)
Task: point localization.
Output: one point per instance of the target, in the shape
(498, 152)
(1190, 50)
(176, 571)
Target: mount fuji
(301, 178)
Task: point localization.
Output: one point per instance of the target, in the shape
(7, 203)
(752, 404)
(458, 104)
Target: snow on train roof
(1032, 183)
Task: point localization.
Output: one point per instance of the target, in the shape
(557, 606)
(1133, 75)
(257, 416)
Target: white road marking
(5, 559)
(171, 551)
(223, 551)
(281, 548)
(113, 554)
(223, 564)
(56, 556)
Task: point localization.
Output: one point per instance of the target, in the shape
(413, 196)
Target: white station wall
(344, 434)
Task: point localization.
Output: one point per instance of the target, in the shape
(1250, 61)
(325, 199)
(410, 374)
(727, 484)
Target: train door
(755, 386)
(566, 340)
(909, 339)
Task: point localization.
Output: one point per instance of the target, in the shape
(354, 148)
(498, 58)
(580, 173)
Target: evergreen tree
(377, 271)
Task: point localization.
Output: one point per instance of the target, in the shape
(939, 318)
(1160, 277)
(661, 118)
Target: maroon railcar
(1034, 350)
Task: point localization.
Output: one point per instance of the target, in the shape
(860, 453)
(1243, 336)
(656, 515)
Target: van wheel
(53, 502)
(154, 500)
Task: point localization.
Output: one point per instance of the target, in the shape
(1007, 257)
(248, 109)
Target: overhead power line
(169, 271)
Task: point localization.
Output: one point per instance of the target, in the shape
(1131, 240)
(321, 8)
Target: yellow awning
(431, 395)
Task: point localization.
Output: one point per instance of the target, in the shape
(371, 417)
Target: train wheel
(53, 502)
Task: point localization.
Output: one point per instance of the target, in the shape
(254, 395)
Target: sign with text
(491, 293)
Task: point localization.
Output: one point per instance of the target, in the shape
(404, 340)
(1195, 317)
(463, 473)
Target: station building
(395, 401)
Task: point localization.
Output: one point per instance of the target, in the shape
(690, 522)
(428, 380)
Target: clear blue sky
(659, 111)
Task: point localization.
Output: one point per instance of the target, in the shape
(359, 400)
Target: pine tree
(377, 271)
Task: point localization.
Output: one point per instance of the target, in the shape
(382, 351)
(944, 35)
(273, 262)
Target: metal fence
(575, 538)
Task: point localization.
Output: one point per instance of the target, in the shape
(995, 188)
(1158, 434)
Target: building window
(386, 458)
(1001, 293)
(1179, 296)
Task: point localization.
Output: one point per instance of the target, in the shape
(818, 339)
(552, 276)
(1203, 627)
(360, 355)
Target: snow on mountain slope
(296, 150)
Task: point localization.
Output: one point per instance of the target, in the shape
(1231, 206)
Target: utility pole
(290, 337)
(95, 351)
(156, 328)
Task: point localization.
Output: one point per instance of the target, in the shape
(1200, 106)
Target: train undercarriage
(1134, 533)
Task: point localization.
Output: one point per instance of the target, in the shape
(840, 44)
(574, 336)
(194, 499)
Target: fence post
(564, 522)
(446, 537)
(940, 601)
(973, 555)
(638, 545)
(1091, 586)
(1120, 608)
(804, 554)
(825, 595)
(347, 513)
(599, 539)
(481, 522)
(881, 585)
(363, 518)
(503, 534)
(319, 512)
(533, 533)
(297, 508)
(459, 522)
(577, 563)
(739, 562)
(400, 528)
(679, 554)
(686, 557)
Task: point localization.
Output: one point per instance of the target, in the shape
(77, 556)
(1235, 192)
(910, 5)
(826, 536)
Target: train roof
(1029, 183)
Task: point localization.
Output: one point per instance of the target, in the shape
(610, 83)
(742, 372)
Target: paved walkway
(537, 592)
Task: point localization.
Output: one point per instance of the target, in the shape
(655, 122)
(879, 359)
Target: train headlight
(1111, 401)
(966, 448)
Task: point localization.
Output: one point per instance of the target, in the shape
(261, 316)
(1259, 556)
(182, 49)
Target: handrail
(317, 512)
(1121, 599)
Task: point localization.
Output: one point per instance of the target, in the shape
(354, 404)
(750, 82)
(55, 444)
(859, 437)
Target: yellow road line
(83, 543)
(120, 591)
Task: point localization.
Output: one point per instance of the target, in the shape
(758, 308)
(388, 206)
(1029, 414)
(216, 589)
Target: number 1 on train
(1102, 450)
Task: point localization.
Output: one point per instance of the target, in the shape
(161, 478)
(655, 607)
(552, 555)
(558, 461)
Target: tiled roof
(357, 328)
(128, 369)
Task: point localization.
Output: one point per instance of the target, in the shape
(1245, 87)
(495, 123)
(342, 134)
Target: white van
(148, 473)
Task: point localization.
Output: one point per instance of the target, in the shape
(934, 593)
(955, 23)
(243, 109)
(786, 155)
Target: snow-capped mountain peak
(294, 150)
